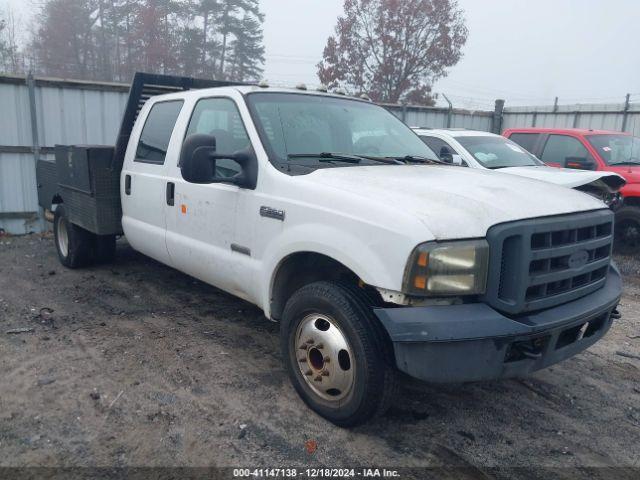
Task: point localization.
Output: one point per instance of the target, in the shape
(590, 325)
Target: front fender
(378, 260)
(631, 190)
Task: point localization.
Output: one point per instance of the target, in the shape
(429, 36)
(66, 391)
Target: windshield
(617, 149)
(497, 152)
(297, 128)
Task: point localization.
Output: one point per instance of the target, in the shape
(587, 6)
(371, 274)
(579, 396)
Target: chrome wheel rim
(63, 237)
(324, 357)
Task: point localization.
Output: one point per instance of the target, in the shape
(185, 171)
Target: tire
(336, 353)
(104, 248)
(627, 239)
(73, 243)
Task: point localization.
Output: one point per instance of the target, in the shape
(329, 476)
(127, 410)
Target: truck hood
(630, 173)
(453, 202)
(606, 181)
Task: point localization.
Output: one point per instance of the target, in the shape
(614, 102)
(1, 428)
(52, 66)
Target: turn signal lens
(423, 259)
(420, 282)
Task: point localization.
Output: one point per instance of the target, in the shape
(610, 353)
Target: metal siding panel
(594, 116)
(633, 124)
(65, 116)
(93, 117)
(437, 118)
(18, 191)
(50, 114)
(15, 128)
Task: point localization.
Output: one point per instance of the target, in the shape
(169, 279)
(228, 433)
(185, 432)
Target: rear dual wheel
(336, 354)
(78, 247)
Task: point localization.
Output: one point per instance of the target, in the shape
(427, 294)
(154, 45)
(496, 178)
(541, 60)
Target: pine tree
(247, 55)
(111, 39)
(236, 15)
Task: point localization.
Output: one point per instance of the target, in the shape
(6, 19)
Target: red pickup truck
(602, 150)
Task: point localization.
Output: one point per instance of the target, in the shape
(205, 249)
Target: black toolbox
(90, 187)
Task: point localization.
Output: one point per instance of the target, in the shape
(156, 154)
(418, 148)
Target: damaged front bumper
(471, 342)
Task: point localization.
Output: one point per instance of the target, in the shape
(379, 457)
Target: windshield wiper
(352, 158)
(327, 157)
(497, 167)
(419, 159)
(342, 157)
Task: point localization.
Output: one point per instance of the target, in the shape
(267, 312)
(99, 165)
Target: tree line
(109, 40)
(393, 50)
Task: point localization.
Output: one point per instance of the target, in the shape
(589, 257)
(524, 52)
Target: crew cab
(600, 151)
(335, 219)
(487, 151)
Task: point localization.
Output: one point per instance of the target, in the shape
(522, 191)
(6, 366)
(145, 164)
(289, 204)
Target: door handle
(171, 190)
(127, 184)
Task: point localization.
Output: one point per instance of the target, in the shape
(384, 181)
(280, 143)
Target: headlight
(454, 268)
(613, 200)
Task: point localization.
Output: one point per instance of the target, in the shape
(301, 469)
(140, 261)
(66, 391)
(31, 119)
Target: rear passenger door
(144, 179)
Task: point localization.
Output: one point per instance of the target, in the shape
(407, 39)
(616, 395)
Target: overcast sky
(524, 51)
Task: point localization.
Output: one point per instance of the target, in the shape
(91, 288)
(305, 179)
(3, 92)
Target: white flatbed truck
(336, 220)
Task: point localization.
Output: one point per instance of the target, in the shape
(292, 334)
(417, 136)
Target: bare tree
(394, 49)
(11, 58)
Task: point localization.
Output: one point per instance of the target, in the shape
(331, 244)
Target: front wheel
(627, 239)
(336, 354)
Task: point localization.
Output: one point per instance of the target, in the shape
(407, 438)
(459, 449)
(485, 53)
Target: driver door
(201, 222)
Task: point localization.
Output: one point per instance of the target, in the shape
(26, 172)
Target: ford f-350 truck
(336, 220)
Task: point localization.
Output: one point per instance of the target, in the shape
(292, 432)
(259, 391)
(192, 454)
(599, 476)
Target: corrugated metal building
(37, 114)
(437, 117)
(615, 116)
(65, 112)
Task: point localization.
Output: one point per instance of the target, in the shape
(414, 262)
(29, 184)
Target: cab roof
(565, 131)
(454, 132)
(247, 89)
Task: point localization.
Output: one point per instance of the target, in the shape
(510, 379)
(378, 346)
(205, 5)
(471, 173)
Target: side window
(437, 144)
(561, 149)
(156, 133)
(525, 140)
(220, 117)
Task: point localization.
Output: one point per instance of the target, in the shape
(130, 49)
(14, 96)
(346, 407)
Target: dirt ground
(136, 364)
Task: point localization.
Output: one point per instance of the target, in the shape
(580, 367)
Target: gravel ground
(136, 364)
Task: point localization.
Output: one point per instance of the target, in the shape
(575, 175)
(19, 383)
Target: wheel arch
(302, 268)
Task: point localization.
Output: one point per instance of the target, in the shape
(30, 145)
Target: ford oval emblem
(578, 259)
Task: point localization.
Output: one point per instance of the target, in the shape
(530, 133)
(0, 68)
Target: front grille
(544, 262)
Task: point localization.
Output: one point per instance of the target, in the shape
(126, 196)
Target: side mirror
(457, 160)
(198, 163)
(446, 155)
(580, 163)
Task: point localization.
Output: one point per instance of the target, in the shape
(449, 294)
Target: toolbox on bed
(88, 185)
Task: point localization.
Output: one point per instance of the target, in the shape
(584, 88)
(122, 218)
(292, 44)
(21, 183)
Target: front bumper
(471, 342)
